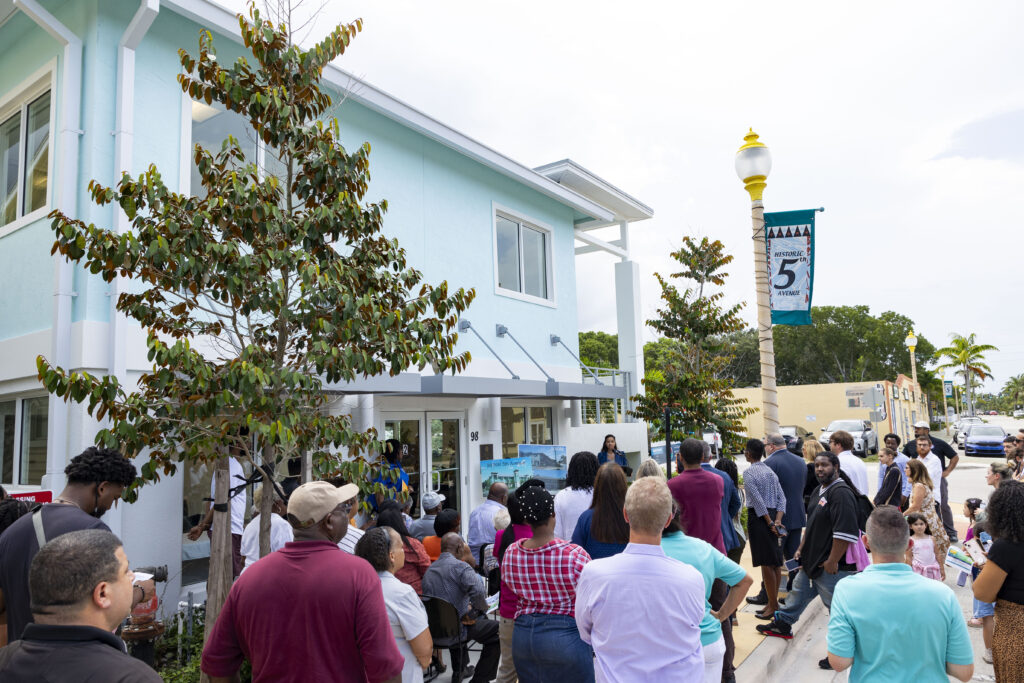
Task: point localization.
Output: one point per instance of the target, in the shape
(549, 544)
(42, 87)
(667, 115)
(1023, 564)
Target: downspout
(67, 201)
(124, 130)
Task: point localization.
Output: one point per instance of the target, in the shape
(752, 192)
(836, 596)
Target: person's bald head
(498, 492)
(451, 543)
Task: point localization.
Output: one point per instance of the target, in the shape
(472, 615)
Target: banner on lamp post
(947, 388)
(789, 240)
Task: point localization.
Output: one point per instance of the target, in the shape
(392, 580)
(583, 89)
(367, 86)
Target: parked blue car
(984, 440)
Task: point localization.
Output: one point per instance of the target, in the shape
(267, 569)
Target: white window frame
(19, 399)
(510, 214)
(18, 99)
(186, 151)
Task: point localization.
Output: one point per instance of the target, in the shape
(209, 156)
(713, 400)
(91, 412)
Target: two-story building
(88, 89)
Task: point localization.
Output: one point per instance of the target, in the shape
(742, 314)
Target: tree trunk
(269, 456)
(221, 572)
(970, 394)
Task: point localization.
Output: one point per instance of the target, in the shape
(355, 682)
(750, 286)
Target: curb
(776, 659)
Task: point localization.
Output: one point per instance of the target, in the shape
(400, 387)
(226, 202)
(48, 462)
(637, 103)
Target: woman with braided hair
(383, 548)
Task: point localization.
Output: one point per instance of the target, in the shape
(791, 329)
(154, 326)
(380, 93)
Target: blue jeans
(547, 649)
(804, 590)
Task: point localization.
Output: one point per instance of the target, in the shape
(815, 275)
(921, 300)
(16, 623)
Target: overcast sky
(904, 120)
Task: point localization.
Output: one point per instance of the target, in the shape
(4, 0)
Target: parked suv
(865, 439)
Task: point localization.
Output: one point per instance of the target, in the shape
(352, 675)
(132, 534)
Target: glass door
(407, 430)
(445, 439)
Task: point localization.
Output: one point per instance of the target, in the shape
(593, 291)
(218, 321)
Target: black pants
(485, 632)
(719, 592)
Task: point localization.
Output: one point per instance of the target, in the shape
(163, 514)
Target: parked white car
(865, 438)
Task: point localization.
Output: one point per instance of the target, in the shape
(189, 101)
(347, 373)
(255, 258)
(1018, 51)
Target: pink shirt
(507, 599)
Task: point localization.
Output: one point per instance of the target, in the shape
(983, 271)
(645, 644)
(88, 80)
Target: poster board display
(550, 464)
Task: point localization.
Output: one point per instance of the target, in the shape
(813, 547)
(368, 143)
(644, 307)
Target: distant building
(890, 406)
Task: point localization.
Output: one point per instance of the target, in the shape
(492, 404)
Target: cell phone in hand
(792, 565)
(973, 548)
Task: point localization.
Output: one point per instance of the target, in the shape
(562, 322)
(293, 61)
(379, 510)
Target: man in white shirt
(841, 443)
(930, 460)
(236, 478)
(481, 520)
(642, 586)
(280, 529)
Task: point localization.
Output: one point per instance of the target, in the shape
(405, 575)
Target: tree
(258, 290)
(1013, 392)
(599, 349)
(967, 358)
(846, 344)
(691, 381)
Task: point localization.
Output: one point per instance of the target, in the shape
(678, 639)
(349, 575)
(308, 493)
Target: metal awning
(414, 384)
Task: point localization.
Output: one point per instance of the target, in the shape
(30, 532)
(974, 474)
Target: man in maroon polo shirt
(698, 493)
(308, 612)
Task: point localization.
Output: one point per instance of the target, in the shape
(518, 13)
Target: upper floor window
(522, 257)
(211, 126)
(24, 156)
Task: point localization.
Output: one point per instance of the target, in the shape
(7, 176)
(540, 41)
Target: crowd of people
(574, 574)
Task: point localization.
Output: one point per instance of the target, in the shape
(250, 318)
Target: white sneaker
(988, 655)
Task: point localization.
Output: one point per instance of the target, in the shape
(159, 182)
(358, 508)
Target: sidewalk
(774, 659)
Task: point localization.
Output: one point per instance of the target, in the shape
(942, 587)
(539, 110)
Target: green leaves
(258, 290)
(691, 377)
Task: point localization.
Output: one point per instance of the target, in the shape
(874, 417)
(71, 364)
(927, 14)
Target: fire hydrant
(143, 628)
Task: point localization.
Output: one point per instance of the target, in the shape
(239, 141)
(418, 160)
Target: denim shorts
(984, 609)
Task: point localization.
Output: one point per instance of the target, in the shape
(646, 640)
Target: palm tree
(968, 360)
(1013, 391)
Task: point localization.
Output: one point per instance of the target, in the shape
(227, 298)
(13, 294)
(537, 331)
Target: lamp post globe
(753, 164)
(912, 345)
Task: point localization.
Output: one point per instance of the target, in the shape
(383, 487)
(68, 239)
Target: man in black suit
(943, 451)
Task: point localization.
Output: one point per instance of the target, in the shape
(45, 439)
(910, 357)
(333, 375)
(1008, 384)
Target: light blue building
(88, 89)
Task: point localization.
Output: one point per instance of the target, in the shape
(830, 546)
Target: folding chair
(446, 630)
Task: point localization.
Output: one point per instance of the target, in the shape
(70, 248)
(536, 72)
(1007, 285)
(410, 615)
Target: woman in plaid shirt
(542, 572)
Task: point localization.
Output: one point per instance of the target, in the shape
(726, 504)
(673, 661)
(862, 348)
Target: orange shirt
(432, 544)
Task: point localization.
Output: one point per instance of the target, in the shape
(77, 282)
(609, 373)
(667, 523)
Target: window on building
(211, 126)
(24, 157)
(23, 427)
(525, 425)
(523, 257)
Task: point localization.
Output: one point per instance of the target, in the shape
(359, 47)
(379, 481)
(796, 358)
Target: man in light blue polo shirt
(712, 565)
(892, 624)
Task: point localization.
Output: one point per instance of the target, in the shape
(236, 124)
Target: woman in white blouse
(382, 547)
(577, 495)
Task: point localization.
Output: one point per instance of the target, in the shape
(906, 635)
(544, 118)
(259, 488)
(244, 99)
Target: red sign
(34, 496)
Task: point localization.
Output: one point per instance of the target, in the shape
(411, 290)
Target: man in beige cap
(308, 611)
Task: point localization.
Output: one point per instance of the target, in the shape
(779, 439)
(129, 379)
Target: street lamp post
(753, 163)
(912, 344)
(945, 404)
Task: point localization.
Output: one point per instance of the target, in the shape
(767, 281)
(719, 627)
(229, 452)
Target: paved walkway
(771, 659)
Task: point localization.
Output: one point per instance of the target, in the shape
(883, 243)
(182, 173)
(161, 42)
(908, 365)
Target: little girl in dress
(922, 553)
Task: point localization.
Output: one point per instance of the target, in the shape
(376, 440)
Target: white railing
(607, 411)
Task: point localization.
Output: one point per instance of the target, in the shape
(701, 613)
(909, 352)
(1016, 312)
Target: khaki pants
(507, 668)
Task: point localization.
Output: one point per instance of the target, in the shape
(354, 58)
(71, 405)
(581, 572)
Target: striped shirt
(763, 489)
(544, 579)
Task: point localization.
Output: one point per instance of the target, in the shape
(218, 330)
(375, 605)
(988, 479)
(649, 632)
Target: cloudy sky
(904, 120)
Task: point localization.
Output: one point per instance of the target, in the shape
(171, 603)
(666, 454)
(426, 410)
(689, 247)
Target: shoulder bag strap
(37, 522)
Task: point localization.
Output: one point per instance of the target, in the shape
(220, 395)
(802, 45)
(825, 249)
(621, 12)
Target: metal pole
(668, 442)
(765, 341)
(913, 368)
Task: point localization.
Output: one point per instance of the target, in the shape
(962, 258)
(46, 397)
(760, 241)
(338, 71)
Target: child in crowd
(921, 555)
(984, 612)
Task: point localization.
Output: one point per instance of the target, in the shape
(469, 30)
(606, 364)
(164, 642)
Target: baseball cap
(431, 499)
(921, 424)
(314, 500)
